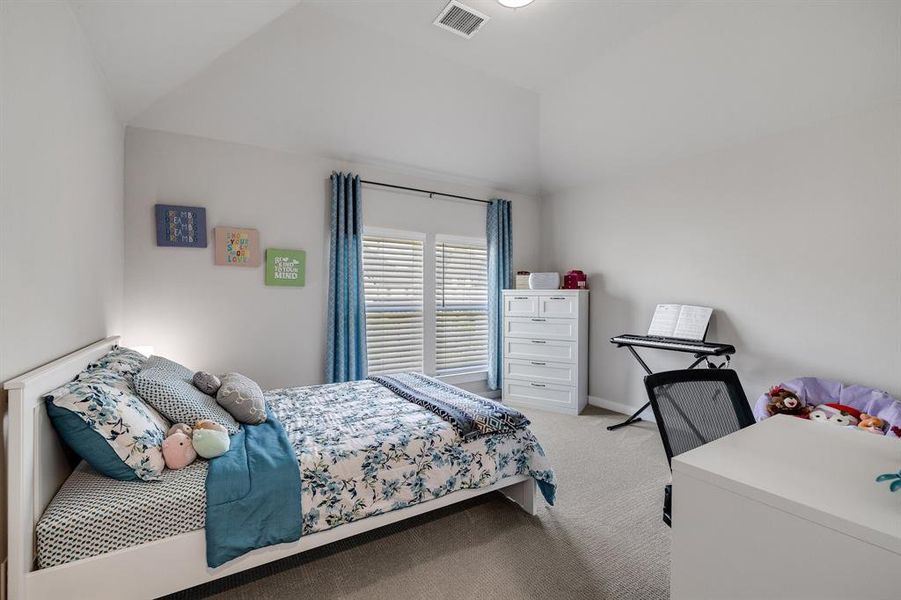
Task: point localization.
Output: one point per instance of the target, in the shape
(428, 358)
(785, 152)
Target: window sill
(466, 377)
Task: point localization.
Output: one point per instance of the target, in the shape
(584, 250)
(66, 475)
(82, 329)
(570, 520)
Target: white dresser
(546, 349)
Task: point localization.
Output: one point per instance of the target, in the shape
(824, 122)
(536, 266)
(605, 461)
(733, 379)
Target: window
(461, 307)
(426, 303)
(392, 282)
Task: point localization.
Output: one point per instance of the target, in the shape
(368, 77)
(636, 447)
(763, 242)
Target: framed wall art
(237, 246)
(182, 226)
(285, 267)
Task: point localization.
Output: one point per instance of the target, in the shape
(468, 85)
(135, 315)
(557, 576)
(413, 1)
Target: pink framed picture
(237, 246)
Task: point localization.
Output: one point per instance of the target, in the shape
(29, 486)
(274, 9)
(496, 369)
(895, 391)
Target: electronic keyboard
(675, 344)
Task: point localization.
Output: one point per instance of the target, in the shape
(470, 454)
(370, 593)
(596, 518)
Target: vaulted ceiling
(148, 47)
(549, 96)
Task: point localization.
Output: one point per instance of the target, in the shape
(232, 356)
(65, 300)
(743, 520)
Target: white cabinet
(540, 328)
(541, 371)
(519, 305)
(540, 349)
(546, 349)
(745, 497)
(558, 398)
(558, 306)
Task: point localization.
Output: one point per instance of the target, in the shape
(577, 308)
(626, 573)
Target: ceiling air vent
(461, 19)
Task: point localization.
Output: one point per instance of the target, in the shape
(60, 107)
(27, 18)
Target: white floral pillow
(121, 360)
(108, 409)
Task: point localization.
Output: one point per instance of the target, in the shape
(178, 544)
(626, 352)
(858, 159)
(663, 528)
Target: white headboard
(38, 464)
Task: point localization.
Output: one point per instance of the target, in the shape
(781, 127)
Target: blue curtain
(346, 337)
(500, 277)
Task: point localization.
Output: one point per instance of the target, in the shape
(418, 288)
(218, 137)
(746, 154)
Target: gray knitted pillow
(167, 386)
(242, 398)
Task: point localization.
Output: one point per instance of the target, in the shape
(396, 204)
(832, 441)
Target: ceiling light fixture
(514, 3)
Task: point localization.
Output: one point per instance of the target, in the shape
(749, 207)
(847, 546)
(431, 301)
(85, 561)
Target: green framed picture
(285, 267)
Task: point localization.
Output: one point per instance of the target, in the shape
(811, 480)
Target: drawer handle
(520, 297)
(539, 364)
(539, 341)
(536, 384)
(557, 298)
(539, 320)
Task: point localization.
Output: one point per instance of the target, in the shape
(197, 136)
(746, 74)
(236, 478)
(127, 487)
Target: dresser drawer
(565, 307)
(534, 349)
(540, 371)
(519, 305)
(541, 328)
(541, 395)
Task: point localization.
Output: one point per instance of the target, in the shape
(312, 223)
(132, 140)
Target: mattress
(361, 449)
(93, 514)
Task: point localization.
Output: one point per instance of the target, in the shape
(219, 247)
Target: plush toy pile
(240, 396)
(183, 443)
(786, 402)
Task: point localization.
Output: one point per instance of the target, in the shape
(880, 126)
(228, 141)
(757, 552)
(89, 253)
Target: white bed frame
(38, 466)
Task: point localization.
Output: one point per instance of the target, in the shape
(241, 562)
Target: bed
(71, 528)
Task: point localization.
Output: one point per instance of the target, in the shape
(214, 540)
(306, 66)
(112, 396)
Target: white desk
(787, 509)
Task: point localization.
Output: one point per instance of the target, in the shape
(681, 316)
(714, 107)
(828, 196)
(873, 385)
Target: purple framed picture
(183, 226)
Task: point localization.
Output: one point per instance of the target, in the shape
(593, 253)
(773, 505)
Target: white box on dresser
(546, 349)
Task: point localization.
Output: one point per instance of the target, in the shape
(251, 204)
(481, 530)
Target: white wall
(224, 318)
(716, 74)
(793, 238)
(61, 161)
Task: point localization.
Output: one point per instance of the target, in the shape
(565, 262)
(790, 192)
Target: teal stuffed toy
(210, 439)
(895, 479)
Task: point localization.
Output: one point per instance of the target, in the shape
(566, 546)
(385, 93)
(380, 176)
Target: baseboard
(619, 407)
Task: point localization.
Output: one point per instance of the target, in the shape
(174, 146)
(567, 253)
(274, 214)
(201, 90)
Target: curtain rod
(429, 192)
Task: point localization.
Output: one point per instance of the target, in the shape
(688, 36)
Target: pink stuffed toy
(178, 450)
(182, 427)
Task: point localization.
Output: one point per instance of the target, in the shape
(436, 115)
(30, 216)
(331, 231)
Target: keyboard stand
(702, 352)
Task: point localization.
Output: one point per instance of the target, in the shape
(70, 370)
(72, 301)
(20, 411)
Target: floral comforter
(363, 451)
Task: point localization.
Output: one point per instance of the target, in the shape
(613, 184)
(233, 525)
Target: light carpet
(604, 538)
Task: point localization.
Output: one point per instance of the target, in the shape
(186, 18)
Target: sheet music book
(681, 321)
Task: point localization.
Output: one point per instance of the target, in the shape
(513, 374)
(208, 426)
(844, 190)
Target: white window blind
(392, 279)
(461, 307)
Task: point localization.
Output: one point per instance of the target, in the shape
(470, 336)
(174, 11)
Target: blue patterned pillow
(101, 418)
(168, 387)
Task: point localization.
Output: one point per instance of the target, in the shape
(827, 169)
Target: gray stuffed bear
(207, 383)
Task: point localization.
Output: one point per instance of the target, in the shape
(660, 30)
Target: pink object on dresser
(575, 280)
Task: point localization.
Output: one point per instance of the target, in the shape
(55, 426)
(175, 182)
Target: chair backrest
(696, 406)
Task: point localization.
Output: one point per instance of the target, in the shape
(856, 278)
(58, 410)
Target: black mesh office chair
(693, 407)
